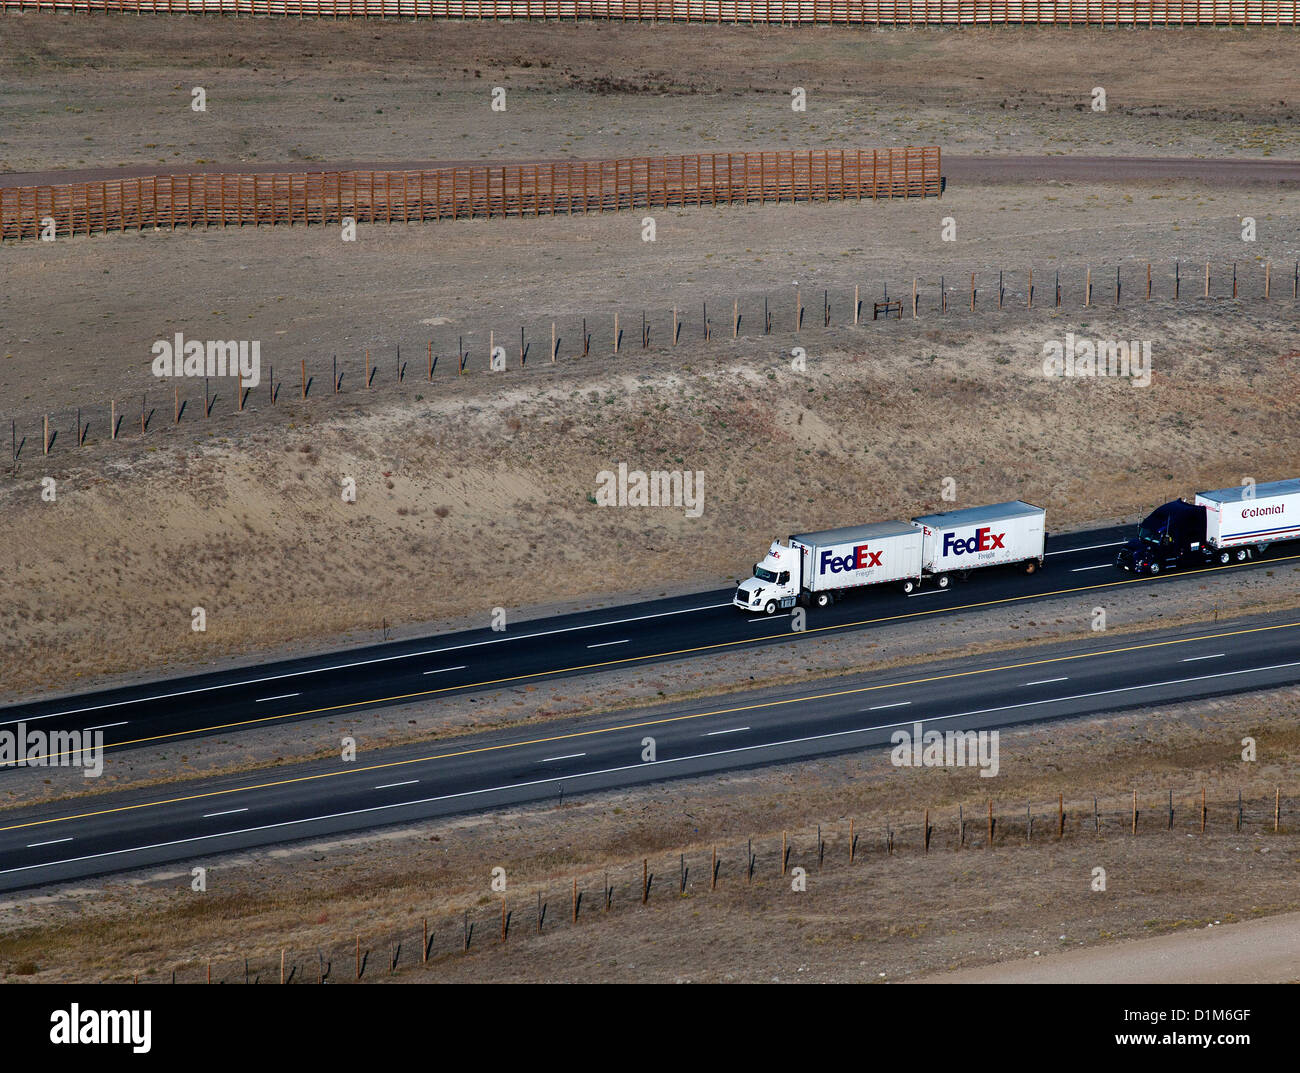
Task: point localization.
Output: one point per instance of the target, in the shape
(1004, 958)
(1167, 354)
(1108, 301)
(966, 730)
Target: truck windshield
(764, 575)
(1150, 536)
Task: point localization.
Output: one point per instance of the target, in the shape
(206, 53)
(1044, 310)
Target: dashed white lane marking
(1090, 547)
(610, 771)
(367, 662)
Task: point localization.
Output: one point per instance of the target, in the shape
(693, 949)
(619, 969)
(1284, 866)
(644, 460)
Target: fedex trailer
(1003, 534)
(819, 568)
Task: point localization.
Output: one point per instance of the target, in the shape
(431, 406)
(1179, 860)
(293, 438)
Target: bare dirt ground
(883, 918)
(254, 529)
(240, 513)
(1252, 952)
(468, 485)
(99, 92)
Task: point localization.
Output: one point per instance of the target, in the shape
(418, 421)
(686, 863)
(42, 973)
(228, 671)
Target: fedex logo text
(862, 558)
(983, 540)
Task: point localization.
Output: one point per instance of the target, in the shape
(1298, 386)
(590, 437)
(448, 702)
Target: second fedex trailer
(1003, 534)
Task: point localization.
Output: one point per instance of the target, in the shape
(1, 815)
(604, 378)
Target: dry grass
(256, 533)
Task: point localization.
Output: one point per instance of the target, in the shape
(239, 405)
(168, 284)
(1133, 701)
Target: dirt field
(103, 92)
(240, 513)
(252, 527)
(468, 485)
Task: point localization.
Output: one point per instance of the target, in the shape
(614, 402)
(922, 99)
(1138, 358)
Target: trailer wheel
(822, 599)
(1224, 556)
(1243, 554)
(943, 581)
(769, 608)
(1031, 566)
(909, 585)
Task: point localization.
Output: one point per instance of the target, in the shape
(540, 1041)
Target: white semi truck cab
(775, 583)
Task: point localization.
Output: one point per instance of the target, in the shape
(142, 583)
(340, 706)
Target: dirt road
(1254, 952)
(956, 168)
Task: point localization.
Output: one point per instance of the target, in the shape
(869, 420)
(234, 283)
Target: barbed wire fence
(693, 325)
(546, 906)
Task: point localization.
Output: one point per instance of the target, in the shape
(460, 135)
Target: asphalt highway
(130, 829)
(653, 632)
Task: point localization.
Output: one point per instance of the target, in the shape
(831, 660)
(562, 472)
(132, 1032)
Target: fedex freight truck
(1228, 525)
(1004, 534)
(819, 568)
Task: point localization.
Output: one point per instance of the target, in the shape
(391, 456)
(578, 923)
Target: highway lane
(111, 832)
(581, 643)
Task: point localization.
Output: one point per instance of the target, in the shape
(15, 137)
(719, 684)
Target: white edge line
(615, 770)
